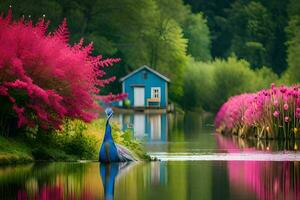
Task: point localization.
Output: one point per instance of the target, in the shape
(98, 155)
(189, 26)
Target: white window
(155, 92)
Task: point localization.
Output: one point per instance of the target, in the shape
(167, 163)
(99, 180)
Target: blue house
(146, 88)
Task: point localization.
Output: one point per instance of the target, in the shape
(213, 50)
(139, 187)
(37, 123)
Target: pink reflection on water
(55, 192)
(266, 179)
(58, 191)
(46, 192)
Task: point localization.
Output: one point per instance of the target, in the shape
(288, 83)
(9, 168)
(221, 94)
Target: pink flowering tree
(43, 79)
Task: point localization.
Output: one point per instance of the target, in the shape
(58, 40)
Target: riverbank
(14, 151)
(76, 141)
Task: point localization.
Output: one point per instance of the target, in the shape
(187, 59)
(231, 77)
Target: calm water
(196, 164)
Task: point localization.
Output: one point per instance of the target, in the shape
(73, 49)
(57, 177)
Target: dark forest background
(210, 50)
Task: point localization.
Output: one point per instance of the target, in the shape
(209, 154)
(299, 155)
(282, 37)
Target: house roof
(148, 68)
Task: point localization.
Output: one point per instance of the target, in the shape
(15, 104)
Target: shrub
(83, 140)
(43, 79)
(231, 77)
(198, 85)
(209, 85)
(74, 139)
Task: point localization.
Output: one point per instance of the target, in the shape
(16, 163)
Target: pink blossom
(298, 101)
(285, 106)
(276, 114)
(51, 79)
(275, 103)
(273, 86)
(3, 91)
(297, 112)
(283, 89)
(286, 119)
(247, 111)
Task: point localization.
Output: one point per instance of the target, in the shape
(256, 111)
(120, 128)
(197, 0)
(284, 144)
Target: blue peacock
(109, 151)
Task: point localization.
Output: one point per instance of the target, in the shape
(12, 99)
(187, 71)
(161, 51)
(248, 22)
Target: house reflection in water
(152, 128)
(159, 173)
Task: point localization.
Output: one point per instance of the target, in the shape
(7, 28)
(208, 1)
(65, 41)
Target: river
(195, 163)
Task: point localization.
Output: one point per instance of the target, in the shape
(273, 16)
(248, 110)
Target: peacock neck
(108, 136)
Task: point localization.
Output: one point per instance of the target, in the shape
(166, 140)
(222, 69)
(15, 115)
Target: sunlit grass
(76, 140)
(13, 151)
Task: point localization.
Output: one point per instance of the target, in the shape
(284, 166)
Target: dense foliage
(253, 30)
(43, 79)
(269, 113)
(158, 33)
(217, 80)
(264, 34)
(293, 43)
(76, 140)
(175, 37)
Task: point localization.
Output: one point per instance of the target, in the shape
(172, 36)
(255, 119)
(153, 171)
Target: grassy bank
(75, 141)
(14, 151)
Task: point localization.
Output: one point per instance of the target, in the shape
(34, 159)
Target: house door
(139, 96)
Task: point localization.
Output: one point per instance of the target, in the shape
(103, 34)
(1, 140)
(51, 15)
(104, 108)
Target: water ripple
(241, 156)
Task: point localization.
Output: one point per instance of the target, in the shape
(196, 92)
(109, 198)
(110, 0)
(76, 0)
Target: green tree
(253, 32)
(168, 53)
(228, 21)
(118, 28)
(198, 35)
(35, 9)
(198, 85)
(142, 32)
(292, 74)
(214, 11)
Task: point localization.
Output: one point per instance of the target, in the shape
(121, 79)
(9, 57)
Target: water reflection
(152, 128)
(267, 180)
(55, 181)
(162, 180)
(109, 172)
(155, 180)
(169, 132)
(239, 143)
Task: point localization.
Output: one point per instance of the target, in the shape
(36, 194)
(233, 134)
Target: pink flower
(283, 89)
(276, 114)
(253, 109)
(3, 91)
(298, 101)
(275, 103)
(295, 94)
(285, 106)
(286, 119)
(298, 112)
(273, 85)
